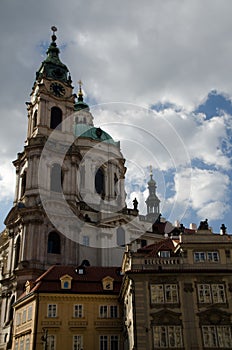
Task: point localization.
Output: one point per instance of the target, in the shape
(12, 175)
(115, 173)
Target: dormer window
(66, 282)
(108, 283)
(164, 254)
(80, 270)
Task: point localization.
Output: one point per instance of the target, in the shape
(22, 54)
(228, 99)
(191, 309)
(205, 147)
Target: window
(103, 342)
(23, 183)
(27, 347)
(18, 318)
(35, 119)
(108, 311)
(164, 254)
(108, 283)
(100, 182)
(217, 336)
(24, 316)
(211, 293)
(113, 311)
(164, 293)
(53, 243)
(66, 285)
(56, 118)
(167, 337)
(29, 313)
(57, 177)
(16, 345)
(52, 310)
(109, 342)
(206, 256)
(103, 311)
(21, 346)
(121, 237)
(51, 342)
(17, 252)
(86, 241)
(77, 342)
(114, 342)
(78, 311)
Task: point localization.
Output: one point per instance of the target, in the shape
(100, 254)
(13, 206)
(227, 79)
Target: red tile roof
(90, 282)
(153, 249)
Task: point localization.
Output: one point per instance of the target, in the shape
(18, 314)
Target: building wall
(64, 325)
(182, 301)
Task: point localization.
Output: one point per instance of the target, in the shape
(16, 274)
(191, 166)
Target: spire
(80, 93)
(152, 200)
(52, 67)
(80, 104)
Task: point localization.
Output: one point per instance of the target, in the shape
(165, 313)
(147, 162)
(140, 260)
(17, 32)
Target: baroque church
(70, 202)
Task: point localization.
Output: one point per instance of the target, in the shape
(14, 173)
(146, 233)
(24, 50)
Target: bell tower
(52, 97)
(152, 201)
(75, 211)
(34, 243)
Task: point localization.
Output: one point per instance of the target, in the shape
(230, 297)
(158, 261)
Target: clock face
(57, 89)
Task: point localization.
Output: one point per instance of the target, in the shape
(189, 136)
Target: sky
(157, 77)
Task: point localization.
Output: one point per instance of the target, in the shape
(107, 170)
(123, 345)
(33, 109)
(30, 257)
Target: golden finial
(151, 174)
(80, 93)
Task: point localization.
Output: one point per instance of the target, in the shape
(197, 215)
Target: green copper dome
(93, 133)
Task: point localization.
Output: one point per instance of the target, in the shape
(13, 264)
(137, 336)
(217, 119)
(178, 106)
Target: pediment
(12, 216)
(214, 316)
(166, 317)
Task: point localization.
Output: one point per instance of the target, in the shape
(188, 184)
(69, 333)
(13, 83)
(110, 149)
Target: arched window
(11, 311)
(53, 243)
(35, 119)
(56, 180)
(17, 252)
(23, 183)
(56, 118)
(100, 182)
(121, 237)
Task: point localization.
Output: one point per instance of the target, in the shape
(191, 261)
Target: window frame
(29, 313)
(209, 293)
(214, 336)
(78, 342)
(85, 240)
(211, 256)
(108, 311)
(109, 342)
(52, 310)
(51, 342)
(160, 293)
(78, 311)
(166, 334)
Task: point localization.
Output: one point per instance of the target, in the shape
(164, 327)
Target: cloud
(169, 51)
(209, 192)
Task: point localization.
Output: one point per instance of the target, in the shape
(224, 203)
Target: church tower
(152, 201)
(69, 203)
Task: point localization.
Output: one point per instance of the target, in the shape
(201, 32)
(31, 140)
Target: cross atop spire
(80, 93)
(54, 29)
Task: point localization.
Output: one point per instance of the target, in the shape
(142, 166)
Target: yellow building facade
(77, 310)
